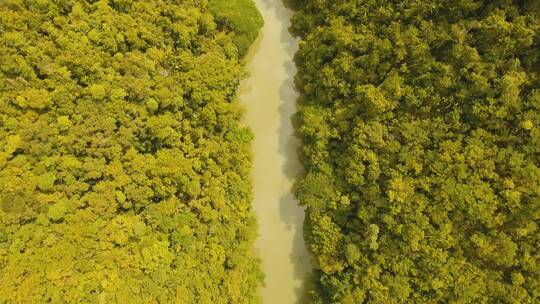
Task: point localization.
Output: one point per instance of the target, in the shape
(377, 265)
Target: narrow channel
(270, 98)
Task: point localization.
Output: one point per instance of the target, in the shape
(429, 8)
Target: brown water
(269, 97)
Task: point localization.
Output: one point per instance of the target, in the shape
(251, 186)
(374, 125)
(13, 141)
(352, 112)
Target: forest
(126, 162)
(421, 143)
(123, 162)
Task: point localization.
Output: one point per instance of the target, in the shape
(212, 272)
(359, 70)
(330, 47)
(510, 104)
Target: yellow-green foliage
(124, 170)
(421, 129)
(242, 17)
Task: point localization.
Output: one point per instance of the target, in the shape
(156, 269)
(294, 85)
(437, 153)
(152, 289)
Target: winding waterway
(269, 97)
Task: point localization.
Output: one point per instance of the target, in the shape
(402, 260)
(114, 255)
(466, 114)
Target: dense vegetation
(124, 170)
(421, 129)
(242, 17)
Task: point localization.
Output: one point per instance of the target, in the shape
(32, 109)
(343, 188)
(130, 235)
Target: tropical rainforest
(125, 164)
(420, 123)
(124, 167)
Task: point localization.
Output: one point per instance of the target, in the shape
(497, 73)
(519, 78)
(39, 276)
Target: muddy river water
(269, 98)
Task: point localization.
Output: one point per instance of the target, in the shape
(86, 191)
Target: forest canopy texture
(124, 170)
(420, 123)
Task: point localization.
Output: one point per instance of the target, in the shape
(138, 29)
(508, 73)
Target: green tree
(419, 122)
(124, 166)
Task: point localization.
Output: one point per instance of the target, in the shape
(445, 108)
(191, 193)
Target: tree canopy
(420, 123)
(124, 168)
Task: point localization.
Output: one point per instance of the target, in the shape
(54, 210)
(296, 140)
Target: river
(270, 99)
